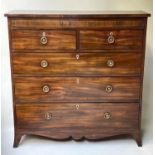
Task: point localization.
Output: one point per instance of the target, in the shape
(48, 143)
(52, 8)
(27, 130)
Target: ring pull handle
(107, 115)
(48, 115)
(109, 88)
(111, 38)
(44, 63)
(110, 63)
(43, 39)
(77, 56)
(46, 89)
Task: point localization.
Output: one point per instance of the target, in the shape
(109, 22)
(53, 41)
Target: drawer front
(94, 115)
(58, 64)
(30, 23)
(45, 39)
(120, 39)
(77, 89)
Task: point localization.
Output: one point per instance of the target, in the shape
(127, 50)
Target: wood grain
(88, 23)
(124, 39)
(32, 116)
(26, 39)
(77, 89)
(66, 64)
(73, 82)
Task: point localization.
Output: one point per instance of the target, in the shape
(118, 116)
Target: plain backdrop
(39, 146)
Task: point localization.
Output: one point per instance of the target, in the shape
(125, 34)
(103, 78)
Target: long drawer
(43, 39)
(77, 89)
(60, 64)
(120, 39)
(95, 115)
(29, 23)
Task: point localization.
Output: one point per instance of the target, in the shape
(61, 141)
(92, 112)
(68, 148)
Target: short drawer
(73, 116)
(120, 39)
(67, 64)
(77, 89)
(45, 39)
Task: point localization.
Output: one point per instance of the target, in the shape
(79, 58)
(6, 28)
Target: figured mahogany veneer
(78, 89)
(67, 64)
(31, 39)
(124, 39)
(21, 23)
(77, 75)
(68, 116)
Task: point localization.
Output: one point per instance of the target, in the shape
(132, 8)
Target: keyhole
(77, 106)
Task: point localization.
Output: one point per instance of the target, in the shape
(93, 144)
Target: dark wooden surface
(88, 23)
(77, 97)
(76, 89)
(31, 39)
(66, 64)
(124, 39)
(32, 116)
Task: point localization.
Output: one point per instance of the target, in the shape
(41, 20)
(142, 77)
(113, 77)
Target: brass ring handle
(46, 89)
(77, 56)
(44, 63)
(110, 63)
(43, 39)
(48, 115)
(107, 115)
(111, 38)
(109, 88)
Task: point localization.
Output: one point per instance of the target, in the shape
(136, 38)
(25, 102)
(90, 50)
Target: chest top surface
(95, 14)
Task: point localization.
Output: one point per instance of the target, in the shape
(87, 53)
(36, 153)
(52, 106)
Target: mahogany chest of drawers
(77, 75)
